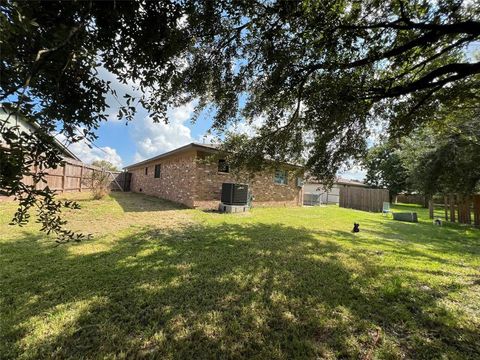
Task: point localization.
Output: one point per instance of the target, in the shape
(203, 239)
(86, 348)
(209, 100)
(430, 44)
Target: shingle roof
(192, 145)
(27, 120)
(205, 147)
(342, 181)
(338, 181)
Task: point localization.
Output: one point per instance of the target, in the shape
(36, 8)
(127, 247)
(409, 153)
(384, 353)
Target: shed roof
(341, 181)
(338, 181)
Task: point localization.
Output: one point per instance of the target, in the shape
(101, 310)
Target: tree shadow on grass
(219, 291)
(451, 240)
(134, 202)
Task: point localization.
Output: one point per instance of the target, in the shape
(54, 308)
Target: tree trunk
(445, 204)
(452, 208)
(430, 208)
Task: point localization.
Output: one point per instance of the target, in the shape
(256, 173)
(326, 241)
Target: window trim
(159, 167)
(285, 177)
(225, 164)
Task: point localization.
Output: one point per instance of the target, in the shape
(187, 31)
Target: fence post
(35, 171)
(461, 210)
(81, 178)
(465, 209)
(64, 177)
(468, 214)
(476, 210)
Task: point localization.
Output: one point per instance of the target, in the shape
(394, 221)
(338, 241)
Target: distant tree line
(442, 157)
(314, 74)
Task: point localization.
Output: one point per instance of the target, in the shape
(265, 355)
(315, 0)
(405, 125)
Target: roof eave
(33, 123)
(169, 153)
(193, 145)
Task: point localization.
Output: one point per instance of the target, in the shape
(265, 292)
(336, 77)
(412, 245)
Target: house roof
(29, 122)
(193, 145)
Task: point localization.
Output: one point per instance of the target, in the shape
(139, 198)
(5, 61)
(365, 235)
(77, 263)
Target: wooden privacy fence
(77, 176)
(363, 198)
(457, 208)
(411, 199)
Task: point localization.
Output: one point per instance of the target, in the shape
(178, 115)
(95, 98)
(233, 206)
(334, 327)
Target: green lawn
(158, 281)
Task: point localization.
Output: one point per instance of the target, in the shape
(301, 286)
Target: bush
(100, 184)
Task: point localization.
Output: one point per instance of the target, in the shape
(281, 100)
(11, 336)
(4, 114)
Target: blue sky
(141, 139)
(124, 144)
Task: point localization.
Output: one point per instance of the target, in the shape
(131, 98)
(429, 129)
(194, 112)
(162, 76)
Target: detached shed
(315, 191)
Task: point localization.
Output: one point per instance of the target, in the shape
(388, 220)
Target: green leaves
(104, 164)
(444, 157)
(385, 169)
(315, 73)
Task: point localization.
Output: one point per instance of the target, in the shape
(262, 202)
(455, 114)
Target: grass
(158, 281)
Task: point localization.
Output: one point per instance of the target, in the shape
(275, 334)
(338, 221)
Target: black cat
(356, 227)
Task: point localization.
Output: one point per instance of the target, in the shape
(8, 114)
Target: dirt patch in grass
(120, 211)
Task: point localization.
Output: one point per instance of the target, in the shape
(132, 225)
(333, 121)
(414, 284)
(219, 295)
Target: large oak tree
(314, 72)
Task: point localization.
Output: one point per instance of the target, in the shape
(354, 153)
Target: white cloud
(88, 155)
(241, 127)
(155, 138)
(249, 129)
(354, 172)
(207, 138)
(182, 22)
(130, 87)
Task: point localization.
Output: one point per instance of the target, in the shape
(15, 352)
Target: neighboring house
(325, 195)
(190, 175)
(71, 175)
(29, 126)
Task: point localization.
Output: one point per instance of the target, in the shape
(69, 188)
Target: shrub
(100, 184)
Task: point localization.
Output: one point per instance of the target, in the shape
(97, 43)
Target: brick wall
(190, 179)
(176, 182)
(209, 181)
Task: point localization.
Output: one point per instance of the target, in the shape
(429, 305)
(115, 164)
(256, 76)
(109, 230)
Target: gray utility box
(226, 208)
(406, 216)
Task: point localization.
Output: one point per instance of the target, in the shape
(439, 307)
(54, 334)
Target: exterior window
(223, 166)
(158, 169)
(281, 177)
(146, 170)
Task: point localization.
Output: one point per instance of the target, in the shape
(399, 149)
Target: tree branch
(460, 71)
(466, 27)
(423, 63)
(424, 40)
(42, 53)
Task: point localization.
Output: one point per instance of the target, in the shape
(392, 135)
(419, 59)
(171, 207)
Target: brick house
(190, 175)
